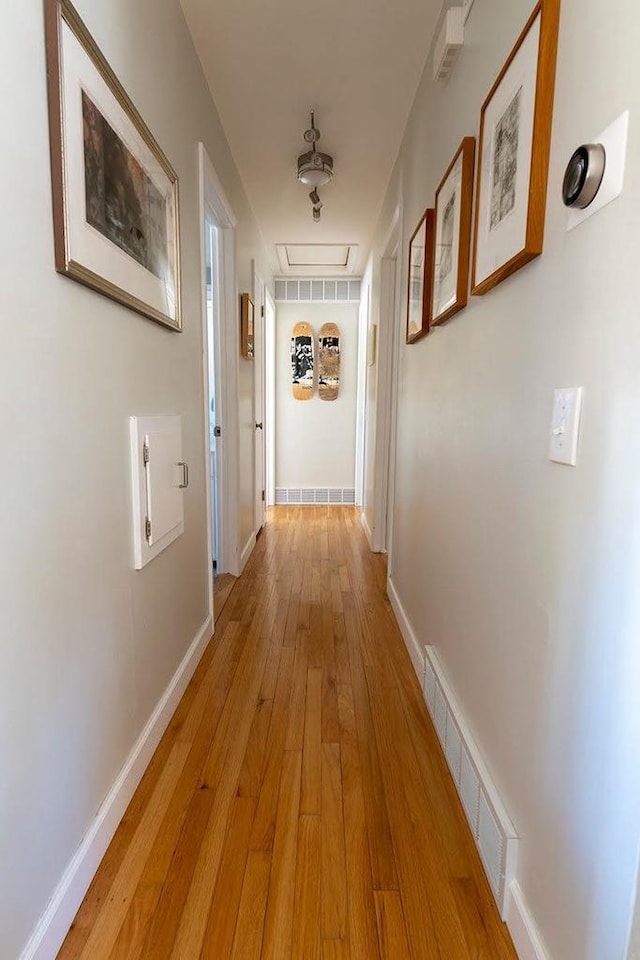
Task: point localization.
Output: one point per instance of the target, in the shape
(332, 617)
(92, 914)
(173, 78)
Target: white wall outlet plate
(614, 141)
(565, 425)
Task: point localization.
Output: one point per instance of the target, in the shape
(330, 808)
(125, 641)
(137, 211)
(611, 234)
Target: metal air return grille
(492, 829)
(317, 291)
(315, 495)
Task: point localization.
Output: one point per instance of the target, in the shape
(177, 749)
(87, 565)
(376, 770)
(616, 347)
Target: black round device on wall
(583, 176)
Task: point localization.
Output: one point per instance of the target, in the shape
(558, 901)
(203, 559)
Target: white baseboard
(367, 529)
(54, 924)
(247, 550)
(526, 939)
(416, 651)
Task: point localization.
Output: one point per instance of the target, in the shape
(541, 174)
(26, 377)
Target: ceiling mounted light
(314, 168)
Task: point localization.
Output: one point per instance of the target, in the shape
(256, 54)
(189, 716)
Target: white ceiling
(357, 63)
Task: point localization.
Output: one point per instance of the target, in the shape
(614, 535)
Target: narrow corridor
(298, 806)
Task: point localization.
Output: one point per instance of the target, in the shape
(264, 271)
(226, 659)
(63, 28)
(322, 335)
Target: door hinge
(147, 528)
(262, 310)
(263, 496)
(146, 456)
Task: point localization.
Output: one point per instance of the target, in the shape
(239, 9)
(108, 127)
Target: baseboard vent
(492, 829)
(313, 495)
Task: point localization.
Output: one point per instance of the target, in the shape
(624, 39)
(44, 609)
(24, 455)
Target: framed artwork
(454, 201)
(115, 194)
(420, 278)
(247, 329)
(515, 139)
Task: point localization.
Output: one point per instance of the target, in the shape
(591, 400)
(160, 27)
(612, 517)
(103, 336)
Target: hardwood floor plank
(247, 943)
(307, 942)
(334, 884)
(391, 928)
(278, 927)
(312, 744)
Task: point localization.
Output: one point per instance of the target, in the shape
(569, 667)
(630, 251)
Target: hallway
(298, 806)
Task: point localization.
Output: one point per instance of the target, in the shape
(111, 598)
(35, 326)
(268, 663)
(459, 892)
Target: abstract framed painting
(420, 278)
(454, 202)
(515, 140)
(115, 194)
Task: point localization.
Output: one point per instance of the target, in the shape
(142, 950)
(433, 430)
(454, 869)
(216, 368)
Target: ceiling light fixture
(314, 168)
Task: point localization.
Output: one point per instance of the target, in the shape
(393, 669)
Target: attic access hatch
(311, 258)
(159, 476)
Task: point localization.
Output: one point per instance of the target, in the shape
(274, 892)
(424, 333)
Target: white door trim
(386, 351)
(214, 200)
(394, 247)
(259, 301)
(270, 395)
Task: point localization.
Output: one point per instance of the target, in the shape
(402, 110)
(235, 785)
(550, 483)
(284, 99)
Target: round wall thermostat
(583, 176)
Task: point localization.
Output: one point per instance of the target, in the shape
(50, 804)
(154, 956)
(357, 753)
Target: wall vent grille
(492, 829)
(313, 495)
(318, 291)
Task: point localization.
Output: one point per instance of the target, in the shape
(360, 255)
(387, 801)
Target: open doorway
(220, 373)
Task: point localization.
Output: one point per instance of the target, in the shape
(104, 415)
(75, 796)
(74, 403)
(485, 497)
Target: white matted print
(515, 134)
(115, 194)
(452, 235)
(420, 277)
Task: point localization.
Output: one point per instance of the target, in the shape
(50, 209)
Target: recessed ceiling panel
(317, 254)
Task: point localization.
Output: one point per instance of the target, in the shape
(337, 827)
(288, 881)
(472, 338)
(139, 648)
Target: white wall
(524, 573)
(315, 439)
(87, 644)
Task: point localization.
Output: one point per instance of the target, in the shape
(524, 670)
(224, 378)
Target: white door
(259, 405)
(215, 427)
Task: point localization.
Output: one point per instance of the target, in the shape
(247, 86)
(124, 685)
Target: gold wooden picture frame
(515, 142)
(115, 194)
(452, 229)
(420, 278)
(247, 327)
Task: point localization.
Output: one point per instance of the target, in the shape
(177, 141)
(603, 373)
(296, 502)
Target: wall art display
(420, 278)
(302, 361)
(329, 361)
(454, 203)
(515, 138)
(247, 327)
(115, 194)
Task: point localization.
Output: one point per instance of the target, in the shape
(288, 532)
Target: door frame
(384, 455)
(259, 383)
(270, 396)
(214, 201)
(394, 248)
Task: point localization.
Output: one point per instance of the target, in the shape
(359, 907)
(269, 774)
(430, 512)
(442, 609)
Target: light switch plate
(565, 425)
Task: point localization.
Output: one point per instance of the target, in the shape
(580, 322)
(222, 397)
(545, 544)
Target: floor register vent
(313, 495)
(492, 829)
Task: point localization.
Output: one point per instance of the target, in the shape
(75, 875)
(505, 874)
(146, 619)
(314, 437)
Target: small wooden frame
(247, 327)
(420, 278)
(515, 141)
(453, 211)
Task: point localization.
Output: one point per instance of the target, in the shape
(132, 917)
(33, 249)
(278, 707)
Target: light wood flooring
(299, 806)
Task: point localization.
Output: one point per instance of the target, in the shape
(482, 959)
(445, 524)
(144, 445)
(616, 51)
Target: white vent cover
(311, 495)
(492, 829)
(318, 291)
(449, 43)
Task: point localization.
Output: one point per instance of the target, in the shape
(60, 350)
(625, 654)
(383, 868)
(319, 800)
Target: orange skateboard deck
(329, 362)
(302, 361)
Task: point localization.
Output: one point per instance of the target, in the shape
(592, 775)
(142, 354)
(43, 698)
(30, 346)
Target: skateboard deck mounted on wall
(329, 362)
(302, 361)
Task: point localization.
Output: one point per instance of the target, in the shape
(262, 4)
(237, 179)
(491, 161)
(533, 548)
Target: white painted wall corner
(52, 928)
(367, 529)
(247, 550)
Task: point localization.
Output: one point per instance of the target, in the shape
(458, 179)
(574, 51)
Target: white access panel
(159, 476)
